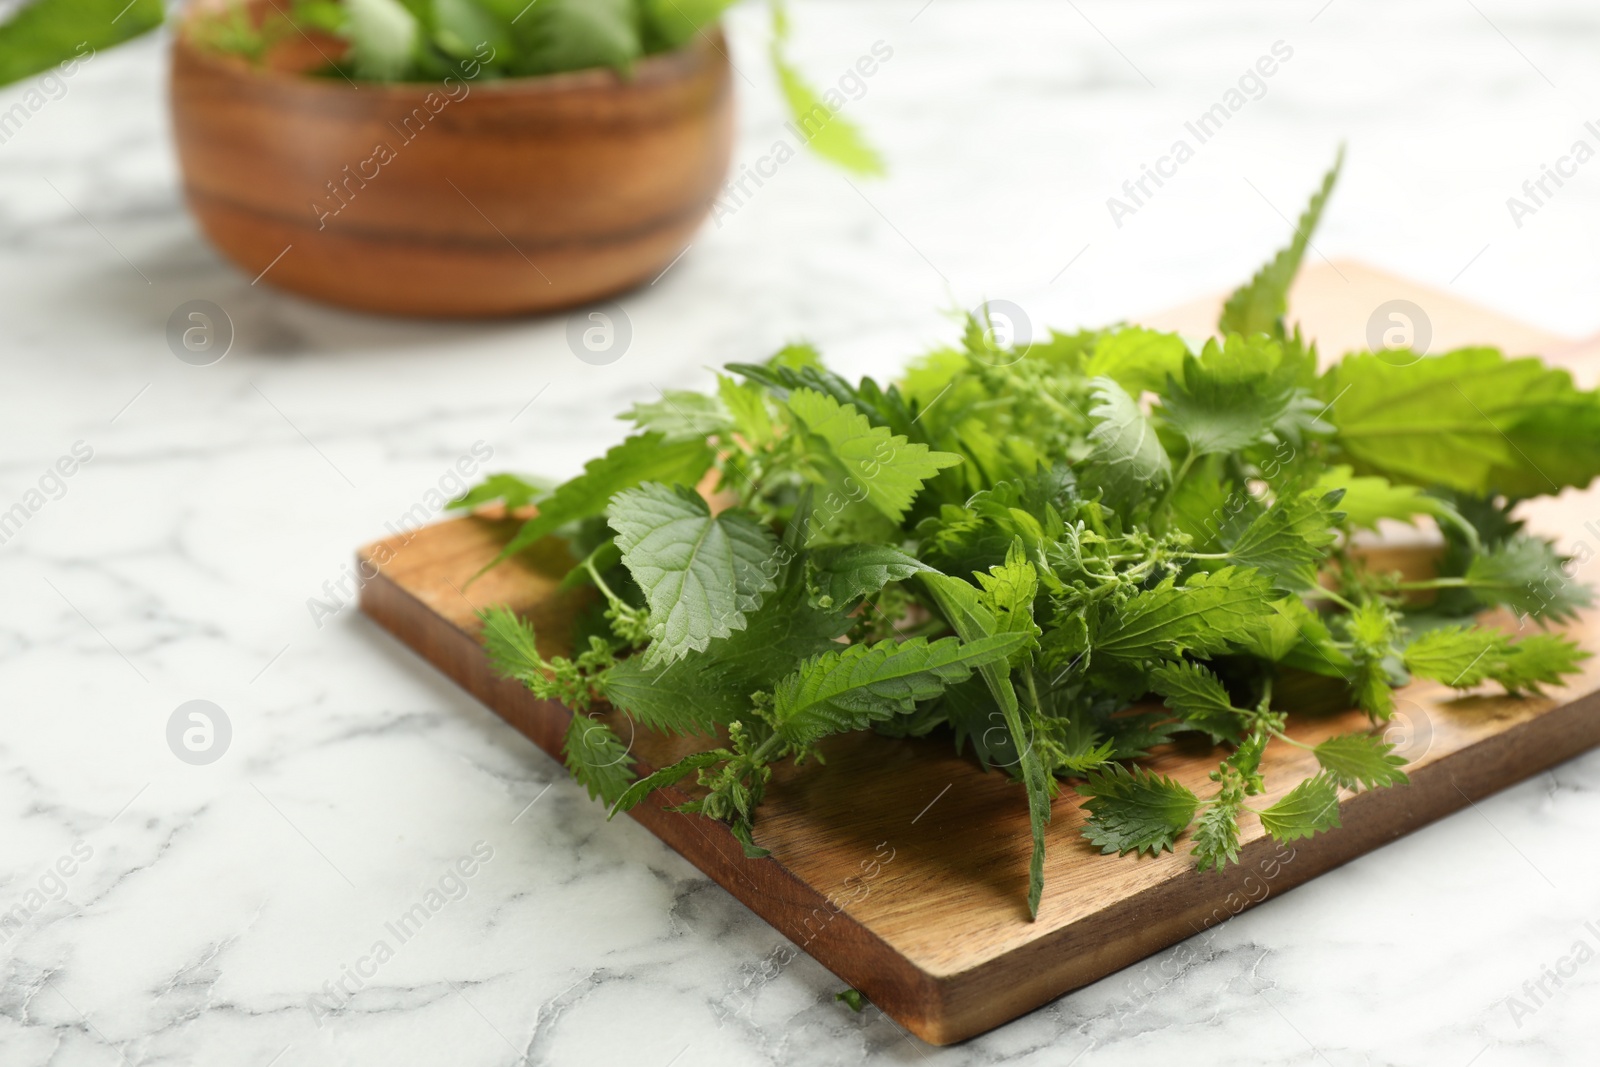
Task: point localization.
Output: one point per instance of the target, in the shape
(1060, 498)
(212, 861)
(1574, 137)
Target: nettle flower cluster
(1062, 558)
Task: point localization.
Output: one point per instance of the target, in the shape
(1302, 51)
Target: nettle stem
(600, 583)
(769, 750)
(1336, 597)
(1033, 689)
(1281, 736)
(1437, 583)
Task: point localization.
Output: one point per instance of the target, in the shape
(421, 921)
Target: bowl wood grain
(461, 198)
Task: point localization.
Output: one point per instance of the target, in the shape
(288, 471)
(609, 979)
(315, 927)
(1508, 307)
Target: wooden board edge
(1161, 917)
(791, 906)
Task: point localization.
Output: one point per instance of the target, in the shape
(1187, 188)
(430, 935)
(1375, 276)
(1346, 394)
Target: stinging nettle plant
(1016, 537)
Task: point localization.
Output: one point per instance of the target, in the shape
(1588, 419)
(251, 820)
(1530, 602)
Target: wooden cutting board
(902, 867)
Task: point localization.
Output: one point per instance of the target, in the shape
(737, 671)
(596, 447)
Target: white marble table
(212, 911)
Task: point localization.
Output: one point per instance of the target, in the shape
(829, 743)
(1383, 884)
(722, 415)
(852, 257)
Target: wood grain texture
(492, 197)
(902, 867)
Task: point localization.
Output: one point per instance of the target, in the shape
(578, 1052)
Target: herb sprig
(1019, 548)
(48, 33)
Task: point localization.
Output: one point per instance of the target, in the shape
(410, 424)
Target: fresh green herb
(1017, 551)
(856, 999)
(700, 573)
(1258, 307)
(1467, 420)
(594, 754)
(46, 33)
(830, 136)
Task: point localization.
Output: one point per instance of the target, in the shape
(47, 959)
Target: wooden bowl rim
(652, 71)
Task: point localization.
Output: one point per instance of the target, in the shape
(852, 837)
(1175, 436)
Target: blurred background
(180, 562)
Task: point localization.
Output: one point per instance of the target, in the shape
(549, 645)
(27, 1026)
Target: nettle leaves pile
(1021, 549)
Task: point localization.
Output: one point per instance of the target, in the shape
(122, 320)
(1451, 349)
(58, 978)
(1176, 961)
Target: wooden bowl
(466, 198)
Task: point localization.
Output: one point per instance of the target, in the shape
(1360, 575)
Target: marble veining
(230, 913)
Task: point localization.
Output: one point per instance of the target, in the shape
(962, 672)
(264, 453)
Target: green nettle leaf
(46, 33)
(786, 631)
(1246, 759)
(1204, 505)
(645, 457)
(1008, 593)
(846, 573)
(1308, 808)
(383, 36)
(865, 462)
(1216, 836)
(1539, 660)
(576, 35)
(678, 20)
(1229, 398)
(684, 697)
(1290, 540)
(461, 27)
(681, 415)
(1361, 759)
(1370, 498)
(963, 606)
(854, 999)
(982, 532)
(1278, 633)
(825, 131)
(1137, 359)
(1204, 616)
(1527, 575)
(798, 366)
(1135, 811)
(969, 709)
(597, 758)
(863, 684)
(1461, 657)
(741, 833)
(512, 490)
(513, 650)
(1126, 459)
(1295, 635)
(1556, 441)
(696, 694)
(1373, 631)
(701, 574)
(1464, 657)
(746, 404)
(1196, 696)
(1470, 419)
(1259, 306)
(630, 797)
